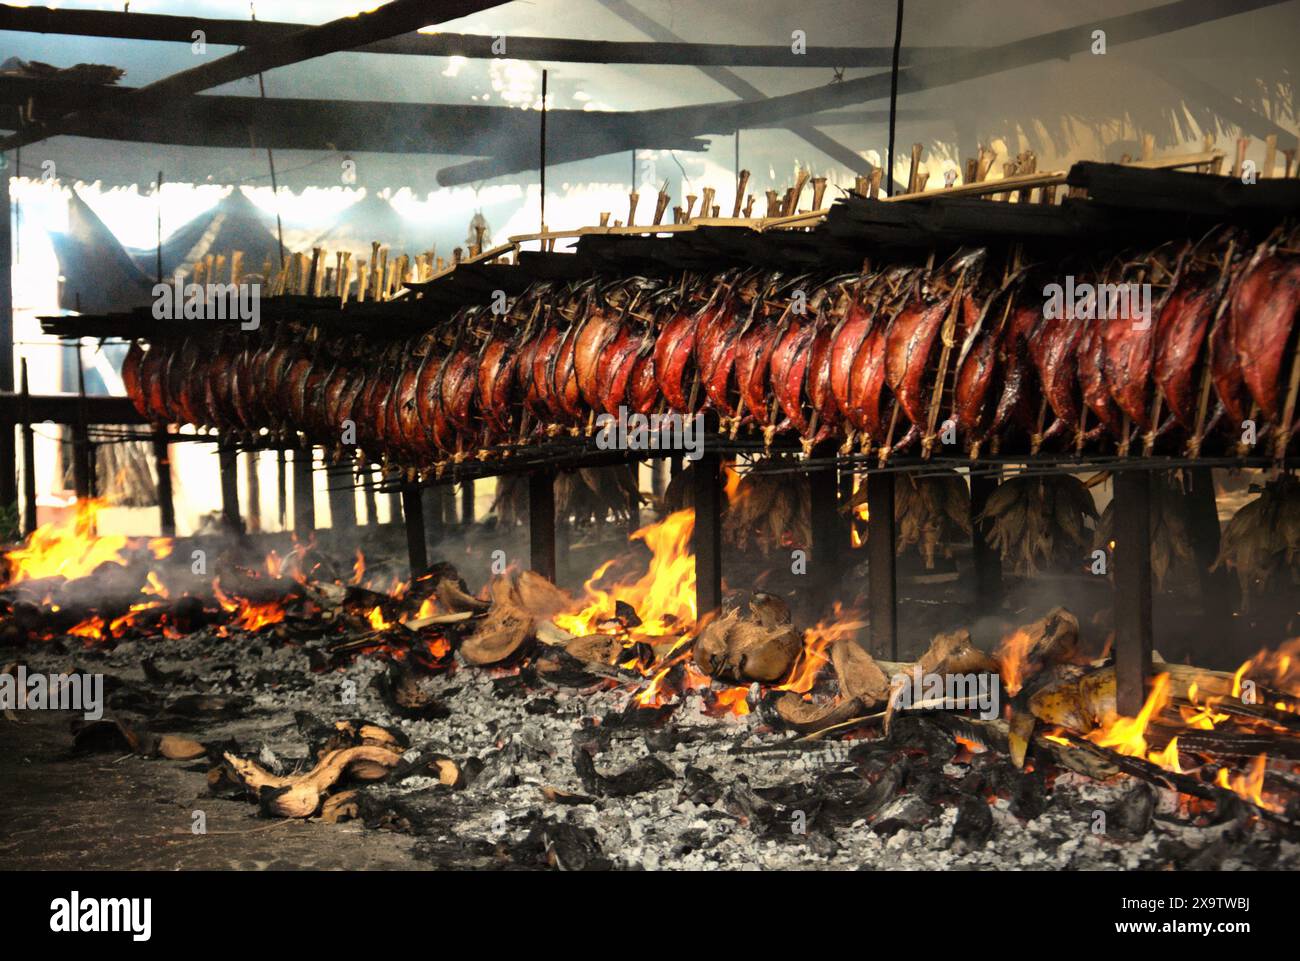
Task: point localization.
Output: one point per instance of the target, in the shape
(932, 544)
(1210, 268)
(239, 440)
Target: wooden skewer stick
(604, 218)
(1148, 147)
(986, 158)
(876, 175)
(800, 181)
(1243, 143)
(861, 185)
(773, 204)
(749, 207)
(742, 182)
(972, 165)
(236, 266)
(690, 207)
(706, 201)
(917, 150)
(819, 191)
(662, 204)
(1270, 155)
(1289, 156)
(632, 199)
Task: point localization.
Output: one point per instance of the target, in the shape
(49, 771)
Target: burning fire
(1011, 655)
(70, 548)
(817, 640)
(664, 597)
(247, 616)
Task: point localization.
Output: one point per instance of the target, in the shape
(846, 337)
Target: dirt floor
(100, 812)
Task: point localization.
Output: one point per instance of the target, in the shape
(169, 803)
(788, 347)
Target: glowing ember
(376, 618)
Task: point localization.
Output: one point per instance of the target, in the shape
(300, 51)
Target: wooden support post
(1132, 560)
(541, 523)
(466, 503)
(706, 541)
(1203, 521)
(228, 465)
(658, 477)
(29, 458)
(304, 494)
(368, 494)
(253, 484)
(417, 550)
(162, 462)
(342, 497)
(83, 457)
(674, 464)
(281, 488)
(988, 563)
(830, 537)
(882, 589)
(634, 500)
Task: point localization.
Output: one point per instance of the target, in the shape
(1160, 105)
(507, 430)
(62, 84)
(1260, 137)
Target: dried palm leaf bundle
(1261, 543)
(1171, 540)
(767, 511)
(1037, 522)
(931, 512)
(589, 495)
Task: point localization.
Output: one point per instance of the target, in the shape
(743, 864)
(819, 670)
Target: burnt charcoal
(207, 706)
(1130, 817)
(636, 716)
(823, 845)
(1172, 853)
(908, 812)
(973, 827)
(882, 792)
(557, 667)
(931, 785)
(644, 775)
(270, 680)
(564, 847)
(916, 732)
(470, 769)
(541, 706)
(536, 747)
(137, 700)
(429, 764)
(187, 614)
(1029, 797)
(155, 675)
(585, 766)
(626, 613)
(971, 783)
(106, 735)
(403, 696)
(700, 787)
(663, 739)
(512, 685)
(1210, 857)
(566, 798)
(747, 807)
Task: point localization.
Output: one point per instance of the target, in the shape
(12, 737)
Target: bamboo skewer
(741, 183)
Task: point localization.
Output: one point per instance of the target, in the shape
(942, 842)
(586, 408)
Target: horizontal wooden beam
(212, 120)
(247, 33)
(393, 18)
(66, 409)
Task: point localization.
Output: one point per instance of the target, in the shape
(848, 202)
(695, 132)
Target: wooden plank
(246, 33)
(68, 408)
(882, 585)
(706, 540)
(163, 466)
(1132, 562)
(344, 33)
(541, 523)
(417, 550)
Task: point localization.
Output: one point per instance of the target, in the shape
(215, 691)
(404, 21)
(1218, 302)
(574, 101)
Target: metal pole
(304, 493)
(988, 563)
(706, 540)
(8, 454)
(228, 465)
(542, 166)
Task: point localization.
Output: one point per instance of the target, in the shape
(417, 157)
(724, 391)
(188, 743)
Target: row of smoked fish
(953, 358)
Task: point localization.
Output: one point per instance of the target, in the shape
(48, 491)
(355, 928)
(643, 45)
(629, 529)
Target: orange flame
(247, 616)
(817, 640)
(664, 597)
(1127, 735)
(1013, 656)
